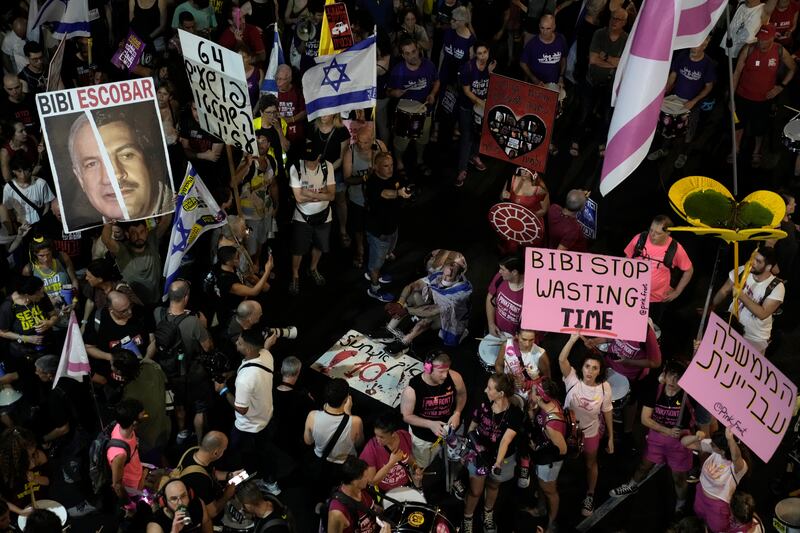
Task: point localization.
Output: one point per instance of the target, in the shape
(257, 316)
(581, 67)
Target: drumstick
(491, 341)
(791, 108)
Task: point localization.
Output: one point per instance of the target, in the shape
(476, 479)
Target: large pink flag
(74, 361)
(661, 27)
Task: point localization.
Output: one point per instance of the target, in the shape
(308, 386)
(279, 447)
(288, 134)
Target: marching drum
(236, 520)
(620, 392)
(51, 505)
(674, 117)
(402, 495)
(791, 135)
(409, 118)
(562, 96)
(488, 350)
(418, 518)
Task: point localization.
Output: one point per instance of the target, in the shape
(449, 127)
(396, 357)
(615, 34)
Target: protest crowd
(182, 242)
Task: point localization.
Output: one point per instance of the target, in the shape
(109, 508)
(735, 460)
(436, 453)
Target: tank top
(760, 72)
(360, 168)
(54, 281)
(324, 427)
(433, 402)
(522, 367)
(145, 21)
(532, 202)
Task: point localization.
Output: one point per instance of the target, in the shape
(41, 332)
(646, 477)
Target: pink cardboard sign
(597, 295)
(741, 388)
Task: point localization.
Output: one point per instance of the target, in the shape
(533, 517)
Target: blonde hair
(337, 120)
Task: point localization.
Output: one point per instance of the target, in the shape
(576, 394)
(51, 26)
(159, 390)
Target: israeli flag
(71, 16)
(269, 85)
(342, 82)
(195, 213)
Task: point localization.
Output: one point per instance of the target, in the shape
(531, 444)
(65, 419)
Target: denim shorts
(379, 247)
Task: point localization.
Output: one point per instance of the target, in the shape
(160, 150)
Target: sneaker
(588, 506)
(680, 161)
(476, 162)
(294, 287)
(462, 177)
(488, 522)
(380, 295)
(269, 486)
(183, 436)
(82, 509)
(319, 280)
(396, 347)
(624, 490)
(458, 490)
(384, 279)
(658, 154)
(466, 525)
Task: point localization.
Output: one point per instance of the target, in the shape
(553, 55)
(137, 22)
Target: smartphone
(238, 478)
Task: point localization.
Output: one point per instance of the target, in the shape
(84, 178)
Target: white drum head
(673, 105)
(792, 130)
(50, 505)
(488, 349)
(411, 106)
(404, 494)
(620, 387)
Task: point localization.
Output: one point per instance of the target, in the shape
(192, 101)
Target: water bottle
(524, 479)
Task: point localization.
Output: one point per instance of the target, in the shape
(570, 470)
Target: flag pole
(728, 47)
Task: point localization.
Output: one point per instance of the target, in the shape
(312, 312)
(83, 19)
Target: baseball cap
(310, 152)
(767, 31)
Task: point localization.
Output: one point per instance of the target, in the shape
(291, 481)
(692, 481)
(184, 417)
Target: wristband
(223, 391)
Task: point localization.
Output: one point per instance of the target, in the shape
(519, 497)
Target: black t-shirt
(329, 144)
(291, 409)
(203, 484)
(492, 426)
(22, 320)
(199, 140)
(24, 111)
(279, 523)
(78, 71)
(666, 409)
(133, 335)
(194, 510)
(487, 17)
(37, 83)
(229, 301)
(382, 213)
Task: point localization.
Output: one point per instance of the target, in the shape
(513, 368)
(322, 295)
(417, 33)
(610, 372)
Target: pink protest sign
(597, 295)
(741, 388)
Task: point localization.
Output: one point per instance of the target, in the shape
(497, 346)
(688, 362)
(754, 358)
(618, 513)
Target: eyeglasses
(619, 19)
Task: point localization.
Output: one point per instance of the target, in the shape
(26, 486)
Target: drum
(50, 505)
(620, 392)
(487, 351)
(402, 495)
(674, 117)
(409, 118)
(418, 518)
(787, 516)
(236, 519)
(562, 96)
(791, 135)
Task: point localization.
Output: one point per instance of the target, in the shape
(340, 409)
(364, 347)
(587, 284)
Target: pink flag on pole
(661, 27)
(74, 361)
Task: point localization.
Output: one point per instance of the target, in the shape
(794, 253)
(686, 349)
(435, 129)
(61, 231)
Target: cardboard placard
(368, 368)
(219, 88)
(339, 24)
(518, 122)
(107, 153)
(741, 388)
(130, 54)
(592, 294)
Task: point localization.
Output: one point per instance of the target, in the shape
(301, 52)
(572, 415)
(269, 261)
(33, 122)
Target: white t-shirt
(718, 478)
(744, 25)
(587, 402)
(754, 328)
(254, 391)
(37, 192)
(310, 181)
(13, 47)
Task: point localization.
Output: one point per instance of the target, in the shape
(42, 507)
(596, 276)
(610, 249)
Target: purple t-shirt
(455, 50)
(478, 81)
(544, 60)
(692, 76)
(417, 83)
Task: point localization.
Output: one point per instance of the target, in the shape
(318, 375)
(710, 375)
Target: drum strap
(354, 505)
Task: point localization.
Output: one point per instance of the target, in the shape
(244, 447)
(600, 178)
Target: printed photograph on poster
(107, 151)
(587, 218)
(518, 122)
(219, 90)
(339, 23)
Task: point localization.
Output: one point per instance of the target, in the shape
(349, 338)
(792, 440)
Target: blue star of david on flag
(340, 73)
(183, 232)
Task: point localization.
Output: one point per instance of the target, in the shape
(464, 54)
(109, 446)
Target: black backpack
(170, 351)
(99, 469)
(675, 274)
(280, 517)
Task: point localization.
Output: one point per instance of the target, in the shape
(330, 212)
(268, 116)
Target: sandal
(574, 150)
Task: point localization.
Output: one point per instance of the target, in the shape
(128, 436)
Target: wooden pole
(232, 170)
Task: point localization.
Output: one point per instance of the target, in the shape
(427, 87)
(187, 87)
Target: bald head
(118, 299)
(576, 199)
(20, 26)
(178, 290)
(249, 311)
(213, 441)
(283, 78)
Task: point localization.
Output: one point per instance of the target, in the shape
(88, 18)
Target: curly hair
(14, 456)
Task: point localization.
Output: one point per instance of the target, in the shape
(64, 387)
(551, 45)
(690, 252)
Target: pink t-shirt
(363, 523)
(132, 473)
(376, 456)
(508, 305)
(659, 280)
(619, 349)
(587, 402)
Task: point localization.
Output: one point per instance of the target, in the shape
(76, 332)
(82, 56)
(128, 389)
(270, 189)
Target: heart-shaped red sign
(515, 136)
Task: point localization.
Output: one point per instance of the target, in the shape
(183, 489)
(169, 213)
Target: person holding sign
(588, 395)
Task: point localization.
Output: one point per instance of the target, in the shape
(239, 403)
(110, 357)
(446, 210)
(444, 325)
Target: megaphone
(306, 29)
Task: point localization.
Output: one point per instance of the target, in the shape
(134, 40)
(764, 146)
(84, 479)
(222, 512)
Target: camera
(289, 332)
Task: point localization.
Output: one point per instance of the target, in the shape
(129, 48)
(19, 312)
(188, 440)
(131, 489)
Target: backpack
(99, 468)
(179, 471)
(574, 433)
(669, 257)
(170, 351)
(279, 518)
(353, 507)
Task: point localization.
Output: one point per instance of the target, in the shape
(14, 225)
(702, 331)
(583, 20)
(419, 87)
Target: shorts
(753, 115)
(591, 444)
(379, 247)
(257, 235)
(423, 451)
(549, 473)
(338, 176)
(661, 449)
(715, 513)
(506, 472)
(304, 235)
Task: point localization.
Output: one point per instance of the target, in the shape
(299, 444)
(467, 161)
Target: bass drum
(418, 518)
(236, 520)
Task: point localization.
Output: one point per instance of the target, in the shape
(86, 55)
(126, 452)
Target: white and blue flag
(70, 17)
(342, 82)
(195, 213)
(269, 85)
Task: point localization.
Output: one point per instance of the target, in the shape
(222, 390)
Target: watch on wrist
(19, 339)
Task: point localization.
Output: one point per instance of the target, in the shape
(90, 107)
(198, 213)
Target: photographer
(383, 214)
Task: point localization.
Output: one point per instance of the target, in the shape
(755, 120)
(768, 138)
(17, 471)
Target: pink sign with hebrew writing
(596, 295)
(741, 388)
